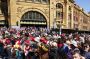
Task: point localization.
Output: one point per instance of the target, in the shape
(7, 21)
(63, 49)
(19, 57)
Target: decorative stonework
(19, 9)
(46, 11)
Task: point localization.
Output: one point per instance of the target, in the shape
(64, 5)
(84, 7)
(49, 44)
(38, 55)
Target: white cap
(37, 39)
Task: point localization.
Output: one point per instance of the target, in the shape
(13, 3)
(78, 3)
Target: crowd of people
(40, 43)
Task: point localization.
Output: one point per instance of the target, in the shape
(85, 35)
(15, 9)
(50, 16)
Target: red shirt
(60, 45)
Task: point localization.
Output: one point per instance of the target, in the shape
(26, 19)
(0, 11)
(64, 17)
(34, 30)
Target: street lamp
(54, 23)
(60, 27)
(60, 24)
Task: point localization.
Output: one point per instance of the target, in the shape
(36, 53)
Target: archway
(33, 19)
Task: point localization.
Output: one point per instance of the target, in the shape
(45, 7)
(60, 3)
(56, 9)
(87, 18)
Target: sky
(85, 4)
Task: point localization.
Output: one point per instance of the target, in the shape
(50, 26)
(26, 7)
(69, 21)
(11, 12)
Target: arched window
(69, 9)
(59, 5)
(59, 11)
(34, 16)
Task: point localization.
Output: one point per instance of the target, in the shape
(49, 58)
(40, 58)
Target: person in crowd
(41, 43)
(76, 54)
(86, 51)
(19, 53)
(1, 47)
(61, 50)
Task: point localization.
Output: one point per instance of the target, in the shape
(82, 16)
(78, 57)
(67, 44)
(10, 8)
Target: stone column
(0, 6)
(72, 20)
(67, 6)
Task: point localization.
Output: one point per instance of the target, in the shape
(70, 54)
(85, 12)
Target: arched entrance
(33, 19)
